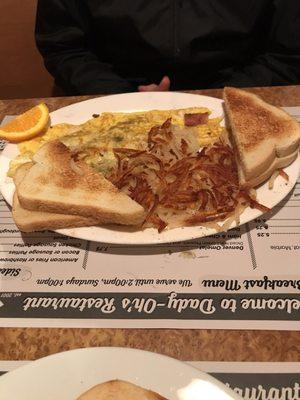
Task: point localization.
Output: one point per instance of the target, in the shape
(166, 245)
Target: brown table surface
(187, 344)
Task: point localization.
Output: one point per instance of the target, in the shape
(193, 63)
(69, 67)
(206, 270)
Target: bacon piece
(195, 119)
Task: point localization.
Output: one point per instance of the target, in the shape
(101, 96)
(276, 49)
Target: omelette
(94, 140)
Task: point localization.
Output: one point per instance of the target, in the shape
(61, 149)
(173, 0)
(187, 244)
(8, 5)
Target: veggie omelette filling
(94, 140)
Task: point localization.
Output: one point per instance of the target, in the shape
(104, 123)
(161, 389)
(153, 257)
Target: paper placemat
(247, 278)
(251, 380)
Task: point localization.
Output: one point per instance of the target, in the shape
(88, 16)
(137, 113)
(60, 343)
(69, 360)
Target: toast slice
(265, 137)
(119, 390)
(31, 221)
(57, 183)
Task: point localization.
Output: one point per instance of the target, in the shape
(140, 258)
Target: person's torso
(200, 38)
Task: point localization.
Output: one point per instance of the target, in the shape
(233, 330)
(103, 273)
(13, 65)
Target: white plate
(81, 112)
(67, 375)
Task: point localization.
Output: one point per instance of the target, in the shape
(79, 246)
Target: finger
(164, 84)
(148, 88)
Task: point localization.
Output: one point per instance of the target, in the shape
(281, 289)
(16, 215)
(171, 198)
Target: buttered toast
(31, 221)
(57, 183)
(265, 137)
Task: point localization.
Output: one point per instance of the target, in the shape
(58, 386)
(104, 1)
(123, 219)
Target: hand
(163, 86)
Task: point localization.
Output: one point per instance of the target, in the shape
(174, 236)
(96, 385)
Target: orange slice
(26, 126)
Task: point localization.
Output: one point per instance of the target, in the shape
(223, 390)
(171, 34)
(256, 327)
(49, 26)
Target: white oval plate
(81, 112)
(67, 375)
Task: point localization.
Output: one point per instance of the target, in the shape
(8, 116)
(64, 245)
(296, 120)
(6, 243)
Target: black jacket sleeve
(62, 39)
(280, 63)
